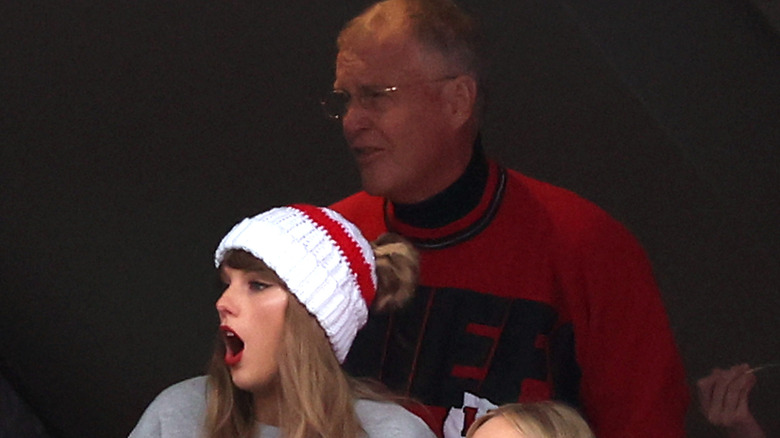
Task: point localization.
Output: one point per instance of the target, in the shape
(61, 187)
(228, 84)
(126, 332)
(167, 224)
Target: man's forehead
(389, 58)
(372, 48)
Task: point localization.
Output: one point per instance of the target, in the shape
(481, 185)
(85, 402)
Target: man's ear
(461, 95)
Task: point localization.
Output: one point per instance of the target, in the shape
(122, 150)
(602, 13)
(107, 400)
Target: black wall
(134, 134)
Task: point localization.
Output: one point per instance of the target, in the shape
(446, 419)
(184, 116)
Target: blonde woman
(547, 419)
(297, 280)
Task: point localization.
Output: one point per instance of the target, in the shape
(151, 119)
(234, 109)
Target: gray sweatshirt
(179, 411)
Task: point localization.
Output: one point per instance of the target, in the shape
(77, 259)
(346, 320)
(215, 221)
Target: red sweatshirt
(535, 294)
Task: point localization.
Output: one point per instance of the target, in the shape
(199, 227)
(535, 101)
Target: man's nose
(355, 118)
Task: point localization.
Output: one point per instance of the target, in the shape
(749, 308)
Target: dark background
(135, 133)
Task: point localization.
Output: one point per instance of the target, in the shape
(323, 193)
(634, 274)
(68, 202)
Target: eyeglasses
(375, 99)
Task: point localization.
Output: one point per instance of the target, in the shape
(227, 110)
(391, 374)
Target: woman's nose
(225, 304)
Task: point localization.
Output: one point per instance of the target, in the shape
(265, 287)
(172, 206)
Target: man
(527, 291)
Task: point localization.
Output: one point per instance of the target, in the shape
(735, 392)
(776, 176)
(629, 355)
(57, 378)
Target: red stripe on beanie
(348, 245)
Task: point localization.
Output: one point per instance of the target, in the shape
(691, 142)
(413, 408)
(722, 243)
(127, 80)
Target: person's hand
(723, 397)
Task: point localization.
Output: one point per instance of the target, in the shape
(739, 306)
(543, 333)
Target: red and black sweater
(532, 293)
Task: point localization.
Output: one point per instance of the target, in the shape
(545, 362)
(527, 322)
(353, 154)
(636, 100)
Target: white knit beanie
(322, 257)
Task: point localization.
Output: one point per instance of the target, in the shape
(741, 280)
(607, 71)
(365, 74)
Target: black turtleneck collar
(455, 201)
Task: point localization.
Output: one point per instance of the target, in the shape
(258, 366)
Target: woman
(546, 419)
(297, 280)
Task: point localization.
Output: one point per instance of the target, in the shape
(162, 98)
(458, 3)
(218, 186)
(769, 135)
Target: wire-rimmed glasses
(336, 102)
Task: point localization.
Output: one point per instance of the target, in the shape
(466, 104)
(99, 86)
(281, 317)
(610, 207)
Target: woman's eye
(257, 285)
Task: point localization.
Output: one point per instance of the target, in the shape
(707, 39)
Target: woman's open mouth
(234, 346)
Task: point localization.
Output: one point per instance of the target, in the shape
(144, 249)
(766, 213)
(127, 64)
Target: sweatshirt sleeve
(633, 381)
(390, 420)
(177, 412)
(149, 425)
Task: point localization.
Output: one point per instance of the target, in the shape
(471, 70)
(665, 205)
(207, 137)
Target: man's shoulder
(573, 218)
(357, 201)
(562, 205)
(548, 194)
(365, 211)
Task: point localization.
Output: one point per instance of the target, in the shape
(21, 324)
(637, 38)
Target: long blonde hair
(315, 395)
(545, 419)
